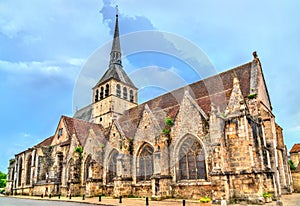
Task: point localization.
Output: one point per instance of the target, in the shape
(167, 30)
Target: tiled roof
(295, 148)
(216, 89)
(46, 142)
(81, 129)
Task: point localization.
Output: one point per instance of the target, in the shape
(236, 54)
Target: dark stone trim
(94, 180)
(126, 178)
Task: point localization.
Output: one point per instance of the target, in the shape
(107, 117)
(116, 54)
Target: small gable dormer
(61, 134)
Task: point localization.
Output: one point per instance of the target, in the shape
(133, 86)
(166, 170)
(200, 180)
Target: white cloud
(68, 69)
(51, 29)
(76, 62)
(8, 28)
(25, 134)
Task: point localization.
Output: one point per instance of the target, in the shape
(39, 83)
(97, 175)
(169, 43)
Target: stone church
(195, 141)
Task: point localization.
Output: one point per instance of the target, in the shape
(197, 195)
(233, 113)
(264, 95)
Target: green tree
(292, 166)
(2, 180)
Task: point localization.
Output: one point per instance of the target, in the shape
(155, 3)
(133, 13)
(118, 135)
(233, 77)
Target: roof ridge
(43, 141)
(81, 120)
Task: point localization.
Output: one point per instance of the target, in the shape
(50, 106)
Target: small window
(131, 96)
(97, 95)
(124, 93)
(60, 131)
(118, 90)
(106, 90)
(101, 93)
(100, 119)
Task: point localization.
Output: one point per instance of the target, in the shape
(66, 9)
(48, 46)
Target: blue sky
(45, 44)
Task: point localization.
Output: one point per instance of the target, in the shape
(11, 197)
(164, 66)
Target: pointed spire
(115, 69)
(115, 54)
(236, 102)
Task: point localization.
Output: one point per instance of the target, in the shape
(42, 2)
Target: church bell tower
(115, 92)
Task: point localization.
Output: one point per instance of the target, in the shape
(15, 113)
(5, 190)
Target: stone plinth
(122, 187)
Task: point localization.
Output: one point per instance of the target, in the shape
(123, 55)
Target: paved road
(8, 201)
(288, 200)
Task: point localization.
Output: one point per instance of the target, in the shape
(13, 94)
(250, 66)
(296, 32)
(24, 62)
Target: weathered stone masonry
(202, 139)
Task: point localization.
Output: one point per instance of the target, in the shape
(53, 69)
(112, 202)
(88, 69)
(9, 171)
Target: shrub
(11, 161)
(166, 131)
(252, 96)
(266, 194)
(169, 121)
(205, 199)
(79, 150)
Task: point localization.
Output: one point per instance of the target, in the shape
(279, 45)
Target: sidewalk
(288, 200)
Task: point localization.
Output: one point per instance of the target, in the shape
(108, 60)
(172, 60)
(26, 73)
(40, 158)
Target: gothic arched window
(88, 168)
(124, 93)
(60, 158)
(145, 163)
(101, 93)
(191, 160)
(20, 172)
(106, 90)
(28, 170)
(118, 90)
(131, 97)
(112, 166)
(70, 170)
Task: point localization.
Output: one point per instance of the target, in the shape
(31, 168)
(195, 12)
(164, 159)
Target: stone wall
(142, 190)
(45, 190)
(296, 180)
(23, 191)
(191, 191)
(108, 190)
(111, 106)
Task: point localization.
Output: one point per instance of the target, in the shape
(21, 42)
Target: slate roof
(81, 129)
(295, 148)
(216, 89)
(115, 71)
(84, 113)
